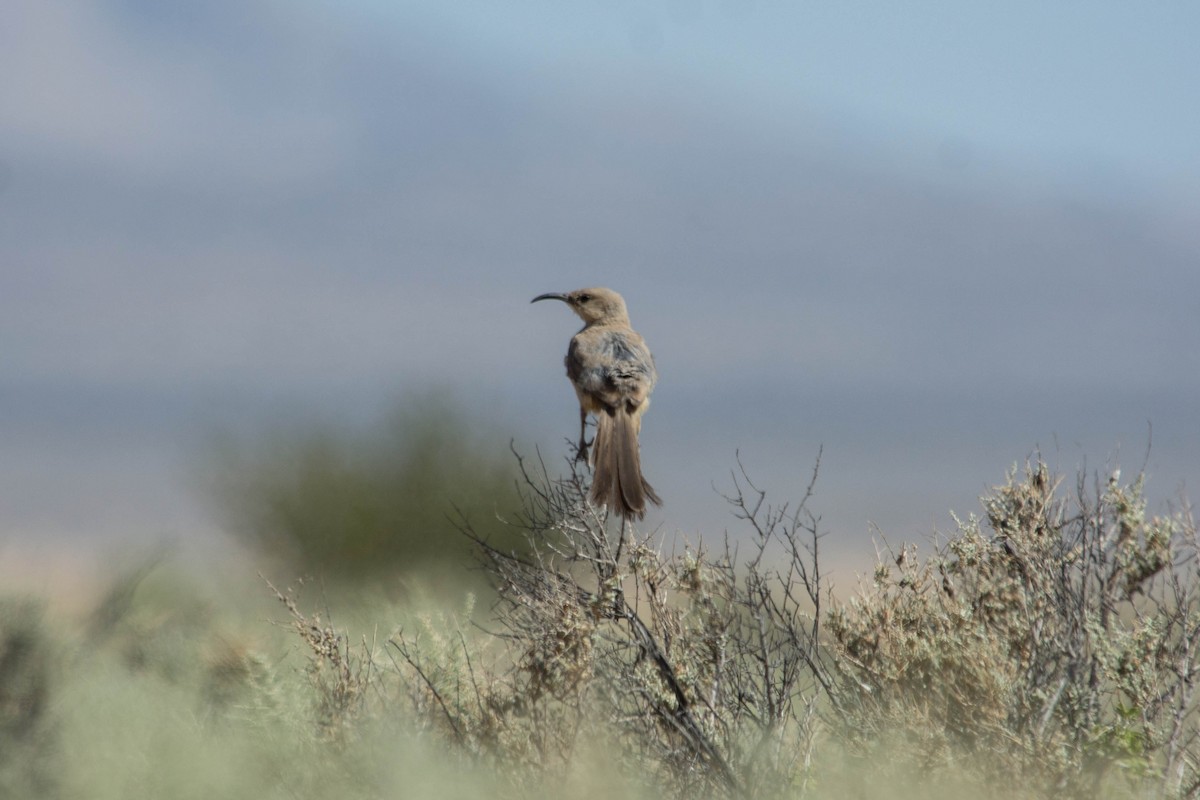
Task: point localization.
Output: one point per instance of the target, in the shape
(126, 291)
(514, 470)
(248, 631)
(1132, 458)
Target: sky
(922, 239)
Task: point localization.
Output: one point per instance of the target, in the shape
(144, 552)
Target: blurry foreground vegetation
(1048, 647)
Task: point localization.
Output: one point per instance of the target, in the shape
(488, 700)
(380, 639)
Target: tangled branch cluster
(703, 672)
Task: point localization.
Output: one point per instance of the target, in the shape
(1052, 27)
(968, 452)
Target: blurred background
(254, 251)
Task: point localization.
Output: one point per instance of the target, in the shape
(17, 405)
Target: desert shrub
(700, 674)
(1054, 639)
(346, 506)
(1046, 649)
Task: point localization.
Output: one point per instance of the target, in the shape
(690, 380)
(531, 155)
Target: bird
(613, 373)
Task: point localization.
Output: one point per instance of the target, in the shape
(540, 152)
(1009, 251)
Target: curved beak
(550, 296)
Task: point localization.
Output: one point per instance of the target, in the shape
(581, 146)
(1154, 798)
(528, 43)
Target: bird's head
(598, 305)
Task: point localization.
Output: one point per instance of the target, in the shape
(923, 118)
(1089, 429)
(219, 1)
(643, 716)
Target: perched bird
(613, 374)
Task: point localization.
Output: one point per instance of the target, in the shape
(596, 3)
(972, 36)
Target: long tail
(618, 481)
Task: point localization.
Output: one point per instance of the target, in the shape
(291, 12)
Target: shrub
(27, 669)
(348, 507)
(702, 673)
(1055, 639)
(1047, 649)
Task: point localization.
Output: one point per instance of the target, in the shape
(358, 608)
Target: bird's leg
(581, 452)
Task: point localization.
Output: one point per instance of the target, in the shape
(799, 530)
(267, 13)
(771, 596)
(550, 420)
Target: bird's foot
(581, 452)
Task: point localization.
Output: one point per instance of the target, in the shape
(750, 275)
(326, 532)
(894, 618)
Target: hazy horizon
(926, 240)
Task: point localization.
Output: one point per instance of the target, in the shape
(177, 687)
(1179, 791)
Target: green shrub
(28, 667)
(375, 504)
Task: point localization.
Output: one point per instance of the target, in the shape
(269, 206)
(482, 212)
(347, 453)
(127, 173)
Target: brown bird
(613, 374)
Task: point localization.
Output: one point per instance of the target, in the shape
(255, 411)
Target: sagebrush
(1054, 639)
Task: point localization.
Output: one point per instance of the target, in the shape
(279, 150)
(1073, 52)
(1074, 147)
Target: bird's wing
(613, 365)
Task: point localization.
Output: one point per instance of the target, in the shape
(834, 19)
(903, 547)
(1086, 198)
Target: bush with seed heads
(1055, 638)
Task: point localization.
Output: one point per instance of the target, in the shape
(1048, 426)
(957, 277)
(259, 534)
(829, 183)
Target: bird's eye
(583, 298)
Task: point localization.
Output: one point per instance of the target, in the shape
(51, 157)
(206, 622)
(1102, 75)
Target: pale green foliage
(1048, 648)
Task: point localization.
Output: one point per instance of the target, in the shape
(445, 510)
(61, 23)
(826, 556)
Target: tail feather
(603, 465)
(617, 481)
